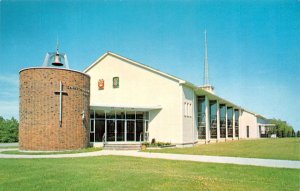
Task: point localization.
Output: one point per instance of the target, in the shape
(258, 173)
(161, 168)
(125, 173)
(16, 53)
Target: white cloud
(9, 79)
(9, 109)
(9, 86)
(9, 96)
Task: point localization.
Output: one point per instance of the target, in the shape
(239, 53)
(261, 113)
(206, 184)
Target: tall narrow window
(248, 132)
(222, 121)
(116, 82)
(201, 117)
(230, 122)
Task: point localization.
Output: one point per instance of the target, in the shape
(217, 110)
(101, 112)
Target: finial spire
(57, 45)
(206, 84)
(206, 79)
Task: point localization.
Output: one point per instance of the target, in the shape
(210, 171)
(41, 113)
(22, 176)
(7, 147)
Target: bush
(152, 141)
(156, 144)
(146, 144)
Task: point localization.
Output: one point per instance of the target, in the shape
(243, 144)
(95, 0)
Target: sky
(253, 46)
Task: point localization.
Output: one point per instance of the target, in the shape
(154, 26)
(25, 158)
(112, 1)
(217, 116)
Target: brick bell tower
(54, 106)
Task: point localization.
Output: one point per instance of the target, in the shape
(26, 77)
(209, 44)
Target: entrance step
(109, 146)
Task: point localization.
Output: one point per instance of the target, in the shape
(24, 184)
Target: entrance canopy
(124, 107)
(119, 123)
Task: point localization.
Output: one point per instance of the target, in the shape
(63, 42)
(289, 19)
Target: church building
(133, 103)
(119, 103)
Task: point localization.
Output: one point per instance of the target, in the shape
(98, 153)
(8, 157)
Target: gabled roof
(135, 63)
(180, 81)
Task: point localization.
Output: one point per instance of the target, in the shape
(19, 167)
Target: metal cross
(61, 93)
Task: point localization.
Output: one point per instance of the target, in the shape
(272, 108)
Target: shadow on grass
(18, 152)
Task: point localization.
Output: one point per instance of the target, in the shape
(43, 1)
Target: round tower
(54, 106)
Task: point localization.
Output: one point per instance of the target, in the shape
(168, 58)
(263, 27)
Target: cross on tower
(61, 93)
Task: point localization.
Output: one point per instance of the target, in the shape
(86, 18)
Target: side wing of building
(249, 125)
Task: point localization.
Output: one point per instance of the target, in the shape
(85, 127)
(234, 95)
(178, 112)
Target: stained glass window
(116, 82)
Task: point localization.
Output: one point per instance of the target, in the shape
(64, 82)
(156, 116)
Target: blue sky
(253, 46)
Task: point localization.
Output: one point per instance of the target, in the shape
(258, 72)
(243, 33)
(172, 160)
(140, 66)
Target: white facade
(170, 101)
(249, 120)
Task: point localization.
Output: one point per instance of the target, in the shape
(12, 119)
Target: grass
(9, 147)
(282, 148)
(129, 173)
(17, 152)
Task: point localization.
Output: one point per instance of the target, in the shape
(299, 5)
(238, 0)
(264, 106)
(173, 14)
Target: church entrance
(110, 130)
(118, 126)
(120, 130)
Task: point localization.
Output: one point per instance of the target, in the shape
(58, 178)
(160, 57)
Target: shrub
(152, 141)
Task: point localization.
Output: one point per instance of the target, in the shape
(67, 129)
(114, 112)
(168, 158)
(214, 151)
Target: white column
(115, 127)
(226, 122)
(233, 124)
(207, 123)
(240, 111)
(94, 126)
(125, 127)
(134, 126)
(194, 113)
(105, 127)
(218, 121)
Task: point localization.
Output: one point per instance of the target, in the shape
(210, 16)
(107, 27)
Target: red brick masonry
(39, 109)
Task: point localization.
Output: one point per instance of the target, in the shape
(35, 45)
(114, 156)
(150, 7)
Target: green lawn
(17, 152)
(9, 147)
(129, 173)
(281, 148)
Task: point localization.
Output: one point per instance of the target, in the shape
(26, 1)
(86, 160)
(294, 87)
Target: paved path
(181, 157)
(9, 145)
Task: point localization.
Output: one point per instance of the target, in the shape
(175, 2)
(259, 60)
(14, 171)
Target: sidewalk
(8, 145)
(182, 157)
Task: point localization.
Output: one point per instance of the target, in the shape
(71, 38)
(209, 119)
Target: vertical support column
(115, 127)
(218, 121)
(105, 123)
(233, 124)
(125, 127)
(94, 127)
(207, 122)
(134, 126)
(194, 113)
(240, 112)
(226, 123)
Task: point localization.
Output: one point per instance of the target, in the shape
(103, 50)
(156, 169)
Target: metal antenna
(206, 80)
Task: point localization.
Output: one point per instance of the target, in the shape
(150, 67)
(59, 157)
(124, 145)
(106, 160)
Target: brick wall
(39, 109)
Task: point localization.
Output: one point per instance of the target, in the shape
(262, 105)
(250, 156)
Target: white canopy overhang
(109, 107)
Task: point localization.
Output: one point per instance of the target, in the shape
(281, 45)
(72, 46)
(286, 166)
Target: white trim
(54, 68)
(124, 107)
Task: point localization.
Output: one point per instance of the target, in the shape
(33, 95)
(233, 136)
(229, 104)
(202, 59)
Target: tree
(9, 130)
(298, 133)
(282, 128)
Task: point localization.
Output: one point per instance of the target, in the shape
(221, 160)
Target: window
(115, 82)
(188, 111)
(92, 132)
(247, 131)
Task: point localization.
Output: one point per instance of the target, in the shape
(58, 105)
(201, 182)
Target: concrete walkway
(182, 157)
(9, 145)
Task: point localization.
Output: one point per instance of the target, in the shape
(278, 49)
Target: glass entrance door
(130, 130)
(119, 126)
(120, 130)
(111, 130)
